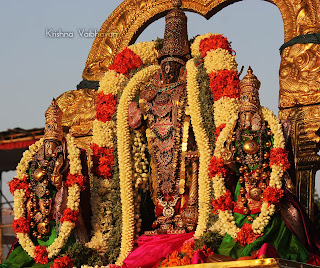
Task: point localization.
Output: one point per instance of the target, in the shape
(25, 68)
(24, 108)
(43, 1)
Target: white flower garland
(146, 51)
(203, 146)
(219, 59)
(125, 168)
(72, 200)
(103, 136)
(226, 222)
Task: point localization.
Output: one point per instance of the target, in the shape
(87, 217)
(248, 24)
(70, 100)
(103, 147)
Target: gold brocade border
(259, 263)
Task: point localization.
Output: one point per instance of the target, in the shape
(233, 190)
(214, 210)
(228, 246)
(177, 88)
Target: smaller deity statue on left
(47, 192)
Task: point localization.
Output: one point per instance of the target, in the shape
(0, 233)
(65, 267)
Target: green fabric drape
(276, 233)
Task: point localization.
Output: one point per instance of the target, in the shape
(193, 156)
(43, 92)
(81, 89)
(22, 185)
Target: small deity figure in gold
(48, 168)
(174, 156)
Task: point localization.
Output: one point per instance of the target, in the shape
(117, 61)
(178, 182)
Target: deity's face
(170, 71)
(246, 120)
(49, 147)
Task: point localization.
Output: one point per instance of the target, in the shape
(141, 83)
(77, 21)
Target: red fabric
(314, 260)
(266, 251)
(153, 249)
(17, 145)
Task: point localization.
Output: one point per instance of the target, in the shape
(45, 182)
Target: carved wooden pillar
(299, 99)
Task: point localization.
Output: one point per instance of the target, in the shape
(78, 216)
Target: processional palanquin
(299, 75)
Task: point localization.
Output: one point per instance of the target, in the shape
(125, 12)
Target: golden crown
(249, 92)
(53, 129)
(175, 42)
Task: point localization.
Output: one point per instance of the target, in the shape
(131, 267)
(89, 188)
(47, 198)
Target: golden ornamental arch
(299, 74)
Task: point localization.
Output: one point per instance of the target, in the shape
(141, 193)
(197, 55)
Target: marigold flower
(41, 254)
(246, 235)
(224, 83)
(21, 225)
(272, 195)
(62, 262)
(106, 106)
(16, 184)
(69, 215)
(126, 61)
(216, 166)
(279, 157)
(214, 42)
(75, 179)
(224, 202)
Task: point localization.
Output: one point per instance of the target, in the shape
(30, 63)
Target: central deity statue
(163, 106)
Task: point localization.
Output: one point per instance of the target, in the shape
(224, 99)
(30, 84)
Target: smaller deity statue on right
(257, 214)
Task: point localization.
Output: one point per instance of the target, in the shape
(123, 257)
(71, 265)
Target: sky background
(35, 68)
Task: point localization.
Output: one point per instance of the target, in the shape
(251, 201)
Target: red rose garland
(41, 254)
(63, 262)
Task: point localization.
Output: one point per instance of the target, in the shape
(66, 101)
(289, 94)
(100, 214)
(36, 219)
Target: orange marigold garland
(102, 160)
(224, 202)
(16, 184)
(70, 215)
(41, 254)
(21, 225)
(106, 106)
(279, 157)
(225, 83)
(246, 235)
(272, 195)
(63, 262)
(218, 130)
(75, 179)
(180, 257)
(214, 42)
(125, 61)
(217, 166)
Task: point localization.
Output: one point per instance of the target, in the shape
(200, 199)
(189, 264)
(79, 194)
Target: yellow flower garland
(203, 146)
(146, 51)
(219, 59)
(72, 200)
(125, 170)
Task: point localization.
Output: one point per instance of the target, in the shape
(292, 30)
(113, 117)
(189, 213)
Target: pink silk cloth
(153, 249)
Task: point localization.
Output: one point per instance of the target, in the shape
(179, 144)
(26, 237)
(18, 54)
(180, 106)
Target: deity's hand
(134, 115)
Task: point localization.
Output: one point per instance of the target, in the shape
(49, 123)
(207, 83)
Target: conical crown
(249, 92)
(175, 42)
(53, 129)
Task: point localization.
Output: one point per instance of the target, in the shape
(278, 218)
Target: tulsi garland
(42, 254)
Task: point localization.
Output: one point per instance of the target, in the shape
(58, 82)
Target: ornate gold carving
(305, 123)
(300, 75)
(79, 109)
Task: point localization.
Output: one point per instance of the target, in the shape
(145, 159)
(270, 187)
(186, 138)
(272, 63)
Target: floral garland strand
(104, 131)
(123, 137)
(74, 182)
(271, 195)
(203, 145)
